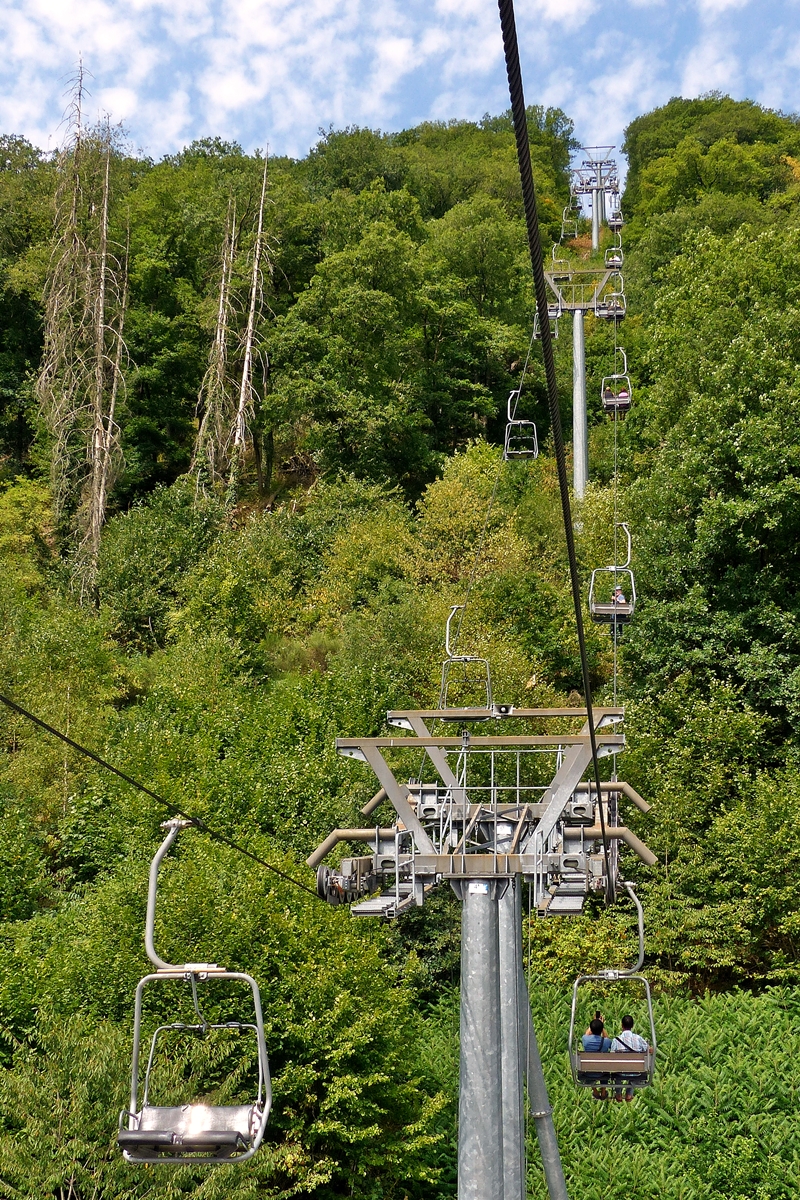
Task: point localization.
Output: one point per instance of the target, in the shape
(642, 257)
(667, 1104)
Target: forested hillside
(210, 614)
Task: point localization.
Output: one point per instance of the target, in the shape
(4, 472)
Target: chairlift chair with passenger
(619, 1069)
(613, 581)
(196, 1132)
(520, 437)
(616, 391)
(614, 258)
(611, 307)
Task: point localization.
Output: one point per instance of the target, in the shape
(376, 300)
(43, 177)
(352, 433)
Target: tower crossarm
(498, 805)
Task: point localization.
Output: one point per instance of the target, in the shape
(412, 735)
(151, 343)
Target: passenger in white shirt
(628, 1042)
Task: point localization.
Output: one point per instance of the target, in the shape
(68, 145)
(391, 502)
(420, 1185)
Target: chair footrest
(141, 1139)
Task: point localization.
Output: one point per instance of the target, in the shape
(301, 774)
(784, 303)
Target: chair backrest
(187, 1119)
(613, 1064)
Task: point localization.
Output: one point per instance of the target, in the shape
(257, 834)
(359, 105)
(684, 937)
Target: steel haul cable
(519, 118)
(198, 821)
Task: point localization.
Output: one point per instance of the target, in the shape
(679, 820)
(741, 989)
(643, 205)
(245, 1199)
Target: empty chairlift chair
(612, 590)
(615, 389)
(570, 217)
(620, 1068)
(553, 313)
(520, 437)
(196, 1132)
(615, 221)
(561, 268)
(469, 674)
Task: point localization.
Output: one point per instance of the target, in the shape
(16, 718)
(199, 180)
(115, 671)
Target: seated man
(628, 1042)
(595, 1040)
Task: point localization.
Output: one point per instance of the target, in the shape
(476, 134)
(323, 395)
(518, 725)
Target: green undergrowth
(719, 1122)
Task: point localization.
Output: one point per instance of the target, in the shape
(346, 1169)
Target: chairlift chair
(619, 1069)
(561, 268)
(570, 217)
(611, 307)
(614, 258)
(611, 611)
(615, 392)
(471, 671)
(197, 1132)
(615, 389)
(614, 220)
(520, 437)
(553, 313)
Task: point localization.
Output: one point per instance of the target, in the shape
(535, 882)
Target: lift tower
(596, 175)
(599, 290)
(492, 810)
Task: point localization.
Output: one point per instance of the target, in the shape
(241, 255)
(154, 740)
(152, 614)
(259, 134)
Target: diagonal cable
(198, 821)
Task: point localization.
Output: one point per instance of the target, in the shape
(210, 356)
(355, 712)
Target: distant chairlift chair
(613, 612)
(561, 268)
(619, 1069)
(467, 670)
(616, 391)
(197, 1133)
(553, 313)
(570, 217)
(614, 258)
(612, 305)
(520, 437)
(615, 221)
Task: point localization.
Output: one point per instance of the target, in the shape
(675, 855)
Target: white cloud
(275, 70)
(710, 65)
(572, 13)
(605, 104)
(711, 8)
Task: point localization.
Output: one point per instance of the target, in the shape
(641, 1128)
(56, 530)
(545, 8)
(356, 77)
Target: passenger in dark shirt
(594, 1040)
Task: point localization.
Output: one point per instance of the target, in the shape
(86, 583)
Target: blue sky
(271, 72)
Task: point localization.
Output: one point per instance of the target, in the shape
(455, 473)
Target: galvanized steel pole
(510, 931)
(580, 431)
(538, 1100)
(480, 1112)
(595, 218)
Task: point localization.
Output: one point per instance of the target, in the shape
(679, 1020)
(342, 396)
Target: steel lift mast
(599, 290)
(503, 808)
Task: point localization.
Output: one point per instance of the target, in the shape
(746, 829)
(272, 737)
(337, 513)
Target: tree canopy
(226, 641)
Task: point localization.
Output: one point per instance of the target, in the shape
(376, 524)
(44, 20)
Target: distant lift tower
(490, 812)
(596, 175)
(599, 290)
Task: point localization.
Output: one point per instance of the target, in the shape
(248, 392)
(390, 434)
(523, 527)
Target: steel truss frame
(490, 814)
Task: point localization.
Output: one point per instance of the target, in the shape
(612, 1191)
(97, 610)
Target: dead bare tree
(215, 402)
(80, 378)
(105, 454)
(248, 396)
(229, 394)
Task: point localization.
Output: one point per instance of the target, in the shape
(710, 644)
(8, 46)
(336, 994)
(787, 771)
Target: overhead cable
(520, 122)
(197, 821)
